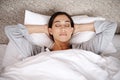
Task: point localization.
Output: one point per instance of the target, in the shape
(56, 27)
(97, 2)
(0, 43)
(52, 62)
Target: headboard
(12, 11)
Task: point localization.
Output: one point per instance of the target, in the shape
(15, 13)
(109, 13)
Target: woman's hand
(84, 27)
(37, 29)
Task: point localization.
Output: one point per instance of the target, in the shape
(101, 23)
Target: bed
(13, 15)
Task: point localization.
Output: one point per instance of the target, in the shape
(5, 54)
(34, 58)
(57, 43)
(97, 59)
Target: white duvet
(70, 64)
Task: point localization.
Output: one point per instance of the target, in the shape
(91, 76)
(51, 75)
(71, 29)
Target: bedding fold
(70, 64)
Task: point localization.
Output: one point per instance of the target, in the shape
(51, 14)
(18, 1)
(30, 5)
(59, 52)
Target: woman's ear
(50, 31)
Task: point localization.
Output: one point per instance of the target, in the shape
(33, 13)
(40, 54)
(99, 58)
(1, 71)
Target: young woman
(60, 28)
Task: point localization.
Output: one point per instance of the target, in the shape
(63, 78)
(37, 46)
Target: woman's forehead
(60, 18)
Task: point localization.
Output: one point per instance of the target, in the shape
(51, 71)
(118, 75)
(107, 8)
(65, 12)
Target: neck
(61, 46)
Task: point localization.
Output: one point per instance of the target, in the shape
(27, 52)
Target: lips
(63, 34)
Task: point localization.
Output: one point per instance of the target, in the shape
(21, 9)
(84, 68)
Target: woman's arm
(18, 36)
(105, 31)
(37, 29)
(19, 46)
(84, 27)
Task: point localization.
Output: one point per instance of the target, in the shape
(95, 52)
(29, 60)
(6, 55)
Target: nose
(63, 28)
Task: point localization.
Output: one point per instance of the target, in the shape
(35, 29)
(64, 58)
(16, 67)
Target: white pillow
(82, 37)
(40, 19)
(85, 19)
(42, 39)
(35, 18)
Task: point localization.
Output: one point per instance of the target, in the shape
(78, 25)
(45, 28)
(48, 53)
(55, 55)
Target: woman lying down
(61, 61)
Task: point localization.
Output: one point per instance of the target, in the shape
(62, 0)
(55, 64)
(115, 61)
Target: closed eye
(67, 25)
(57, 25)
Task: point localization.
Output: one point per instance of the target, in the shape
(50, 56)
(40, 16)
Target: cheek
(69, 34)
(55, 32)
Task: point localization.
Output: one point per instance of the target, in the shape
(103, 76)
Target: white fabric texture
(64, 65)
(110, 49)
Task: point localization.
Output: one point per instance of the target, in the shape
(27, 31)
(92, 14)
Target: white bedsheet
(70, 64)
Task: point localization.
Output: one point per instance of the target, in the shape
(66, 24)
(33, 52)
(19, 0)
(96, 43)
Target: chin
(64, 40)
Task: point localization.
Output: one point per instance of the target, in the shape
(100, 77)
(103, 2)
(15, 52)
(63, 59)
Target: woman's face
(61, 29)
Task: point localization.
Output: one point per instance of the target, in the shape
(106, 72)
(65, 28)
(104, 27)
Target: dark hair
(50, 23)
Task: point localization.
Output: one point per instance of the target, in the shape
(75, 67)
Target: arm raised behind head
(84, 27)
(37, 28)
